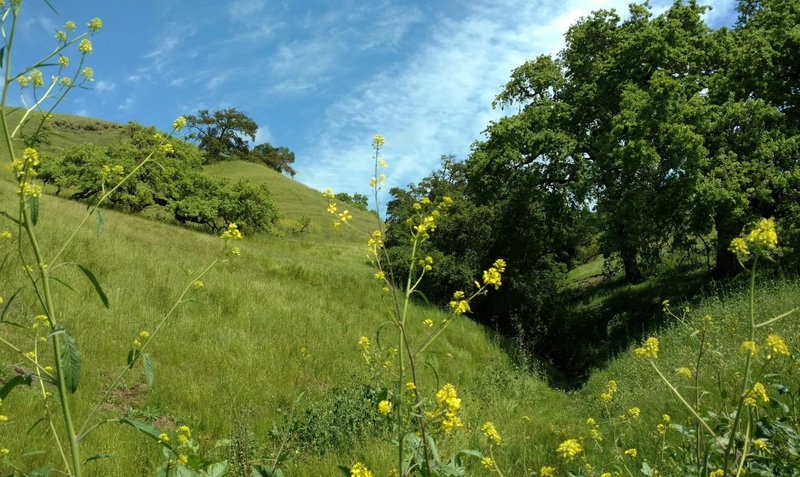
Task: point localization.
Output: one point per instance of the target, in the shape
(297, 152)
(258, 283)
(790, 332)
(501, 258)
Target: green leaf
(96, 284)
(38, 421)
(149, 375)
(100, 222)
(345, 471)
(147, 429)
(217, 470)
(71, 362)
(8, 304)
(62, 282)
(14, 382)
(33, 205)
(98, 457)
(133, 355)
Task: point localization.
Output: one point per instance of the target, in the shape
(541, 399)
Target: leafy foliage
(222, 134)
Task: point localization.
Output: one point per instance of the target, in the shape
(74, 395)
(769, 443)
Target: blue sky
(319, 77)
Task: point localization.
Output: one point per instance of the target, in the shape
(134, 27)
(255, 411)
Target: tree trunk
(632, 272)
(727, 229)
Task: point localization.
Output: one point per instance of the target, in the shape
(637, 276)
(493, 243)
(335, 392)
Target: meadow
(271, 341)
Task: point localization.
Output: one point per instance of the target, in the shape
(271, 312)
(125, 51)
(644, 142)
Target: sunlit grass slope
(239, 346)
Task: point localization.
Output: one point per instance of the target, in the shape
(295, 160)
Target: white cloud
(439, 100)
(103, 86)
(263, 134)
(127, 104)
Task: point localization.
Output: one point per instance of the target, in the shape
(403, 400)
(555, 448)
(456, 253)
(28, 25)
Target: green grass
(235, 350)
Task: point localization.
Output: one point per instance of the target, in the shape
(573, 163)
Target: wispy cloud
(103, 86)
(437, 101)
(127, 104)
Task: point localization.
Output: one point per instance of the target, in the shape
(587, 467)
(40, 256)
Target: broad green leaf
(217, 470)
(100, 222)
(147, 429)
(33, 206)
(97, 287)
(14, 382)
(71, 362)
(149, 374)
(8, 304)
(133, 355)
(98, 457)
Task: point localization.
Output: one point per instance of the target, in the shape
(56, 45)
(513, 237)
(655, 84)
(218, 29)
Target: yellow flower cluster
(364, 343)
(758, 393)
(611, 389)
(184, 434)
(179, 123)
(459, 304)
(749, 347)
(649, 349)
(547, 471)
(426, 264)
(25, 171)
(85, 46)
(232, 233)
(634, 412)
(95, 24)
(487, 463)
(493, 275)
(385, 407)
(568, 449)
(776, 345)
(632, 453)
(762, 238)
(360, 470)
(684, 372)
(447, 398)
(377, 141)
(491, 433)
(594, 429)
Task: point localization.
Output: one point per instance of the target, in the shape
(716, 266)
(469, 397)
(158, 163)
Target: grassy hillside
(271, 339)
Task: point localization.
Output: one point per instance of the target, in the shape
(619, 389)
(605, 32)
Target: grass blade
(97, 287)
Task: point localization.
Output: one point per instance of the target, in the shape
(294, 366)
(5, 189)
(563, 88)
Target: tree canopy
(222, 134)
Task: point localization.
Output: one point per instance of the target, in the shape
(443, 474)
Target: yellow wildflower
(377, 141)
(568, 449)
(717, 473)
(183, 460)
(649, 349)
(749, 347)
(385, 407)
(631, 453)
(197, 284)
(634, 412)
(491, 433)
(487, 463)
(85, 46)
(95, 24)
(776, 344)
(360, 470)
(410, 386)
(179, 123)
(547, 471)
(364, 343)
(163, 437)
(684, 372)
(739, 247)
(88, 74)
(232, 233)
(428, 322)
(760, 444)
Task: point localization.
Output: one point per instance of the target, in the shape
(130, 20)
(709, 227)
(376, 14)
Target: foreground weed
(50, 356)
(422, 420)
(751, 430)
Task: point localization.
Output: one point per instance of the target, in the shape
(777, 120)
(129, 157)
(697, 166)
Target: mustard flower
(5, 234)
(198, 284)
(410, 386)
(378, 141)
(328, 193)
(85, 46)
(235, 251)
(385, 407)
(332, 208)
(764, 235)
(379, 275)
(684, 372)
(88, 74)
(232, 233)
(183, 460)
(37, 78)
(487, 463)
(739, 247)
(360, 470)
(23, 81)
(144, 334)
(427, 322)
(373, 182)
(66, 81)
(163, 437)
(547, 471)
(634, 412)
(717, 473)
(760, 444)
(749, 347)
(3, 418)
(95, 24)
(70, 25)
(4, 451)
(491, 433)
(136, 344)
(61, 36)
(649, 349)
(611, 389)
(383, 164)
(364, 343)
(568, 449)
(179, 123)
(632, 453)
(167, 148)
(492, 277)
(606, 474)
(776, 344)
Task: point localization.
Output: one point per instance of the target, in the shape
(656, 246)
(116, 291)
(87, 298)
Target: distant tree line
(645, 136)
(174, 182)
(222, 135)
